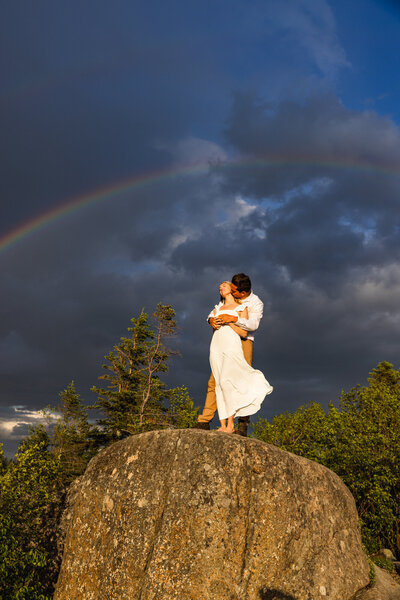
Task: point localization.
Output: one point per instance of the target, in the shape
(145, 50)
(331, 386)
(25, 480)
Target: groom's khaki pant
(210, 405)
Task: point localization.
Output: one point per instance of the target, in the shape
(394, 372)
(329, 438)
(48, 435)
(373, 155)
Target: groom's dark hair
(242, 282)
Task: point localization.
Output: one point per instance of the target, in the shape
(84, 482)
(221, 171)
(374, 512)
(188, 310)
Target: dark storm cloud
(90, 99)
(304, 136)
(320, 253)
(72, 303)
(321, 242)
(343, 181)
(86, 97)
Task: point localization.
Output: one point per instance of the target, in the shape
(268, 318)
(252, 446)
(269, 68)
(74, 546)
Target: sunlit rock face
(196, 515)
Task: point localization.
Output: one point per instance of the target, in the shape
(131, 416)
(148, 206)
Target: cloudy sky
(150, 150)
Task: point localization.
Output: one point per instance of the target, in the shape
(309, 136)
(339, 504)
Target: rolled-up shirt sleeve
(255, 311)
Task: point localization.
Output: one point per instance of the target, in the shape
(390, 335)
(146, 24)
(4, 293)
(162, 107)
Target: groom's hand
(227, 319)
(214, 322)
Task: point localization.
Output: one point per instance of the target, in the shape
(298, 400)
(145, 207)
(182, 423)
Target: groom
(241, 290)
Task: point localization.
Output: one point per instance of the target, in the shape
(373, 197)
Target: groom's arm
(250, 324)
(255, 316)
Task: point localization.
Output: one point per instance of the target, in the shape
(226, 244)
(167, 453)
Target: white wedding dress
(239, 388)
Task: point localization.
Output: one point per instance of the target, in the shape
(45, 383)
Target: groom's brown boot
(242, 426)
(200, 425)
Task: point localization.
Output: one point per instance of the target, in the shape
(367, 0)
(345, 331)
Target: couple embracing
(235, 389)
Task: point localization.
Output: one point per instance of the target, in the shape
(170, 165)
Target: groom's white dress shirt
(255, 309)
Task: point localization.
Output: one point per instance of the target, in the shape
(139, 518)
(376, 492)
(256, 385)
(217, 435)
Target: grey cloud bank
(301, 193)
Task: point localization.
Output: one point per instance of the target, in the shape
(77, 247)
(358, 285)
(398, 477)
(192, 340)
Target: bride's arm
(242, 332)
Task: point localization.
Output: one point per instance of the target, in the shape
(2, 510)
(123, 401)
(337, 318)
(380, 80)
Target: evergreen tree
(136, 399)
(181, 411)
(3, 460)
(32, 492)
(73, 438)
(33, 485)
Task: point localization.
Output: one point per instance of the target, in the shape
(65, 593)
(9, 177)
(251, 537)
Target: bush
(360, 441)
(384, 563)
(31, 498)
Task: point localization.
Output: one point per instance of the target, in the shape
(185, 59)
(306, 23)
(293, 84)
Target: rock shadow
(268, 594)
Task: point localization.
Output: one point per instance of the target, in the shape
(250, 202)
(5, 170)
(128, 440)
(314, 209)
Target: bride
(239, 388)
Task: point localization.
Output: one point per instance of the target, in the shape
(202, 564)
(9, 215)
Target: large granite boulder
(194, 515)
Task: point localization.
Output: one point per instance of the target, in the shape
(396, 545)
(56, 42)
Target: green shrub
(30, 502)
(384, 563)
(360, 441)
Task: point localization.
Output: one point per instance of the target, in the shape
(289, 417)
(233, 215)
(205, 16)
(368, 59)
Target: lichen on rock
(194, 515)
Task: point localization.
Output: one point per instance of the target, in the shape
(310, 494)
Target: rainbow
(93, 197)
(46, 218)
